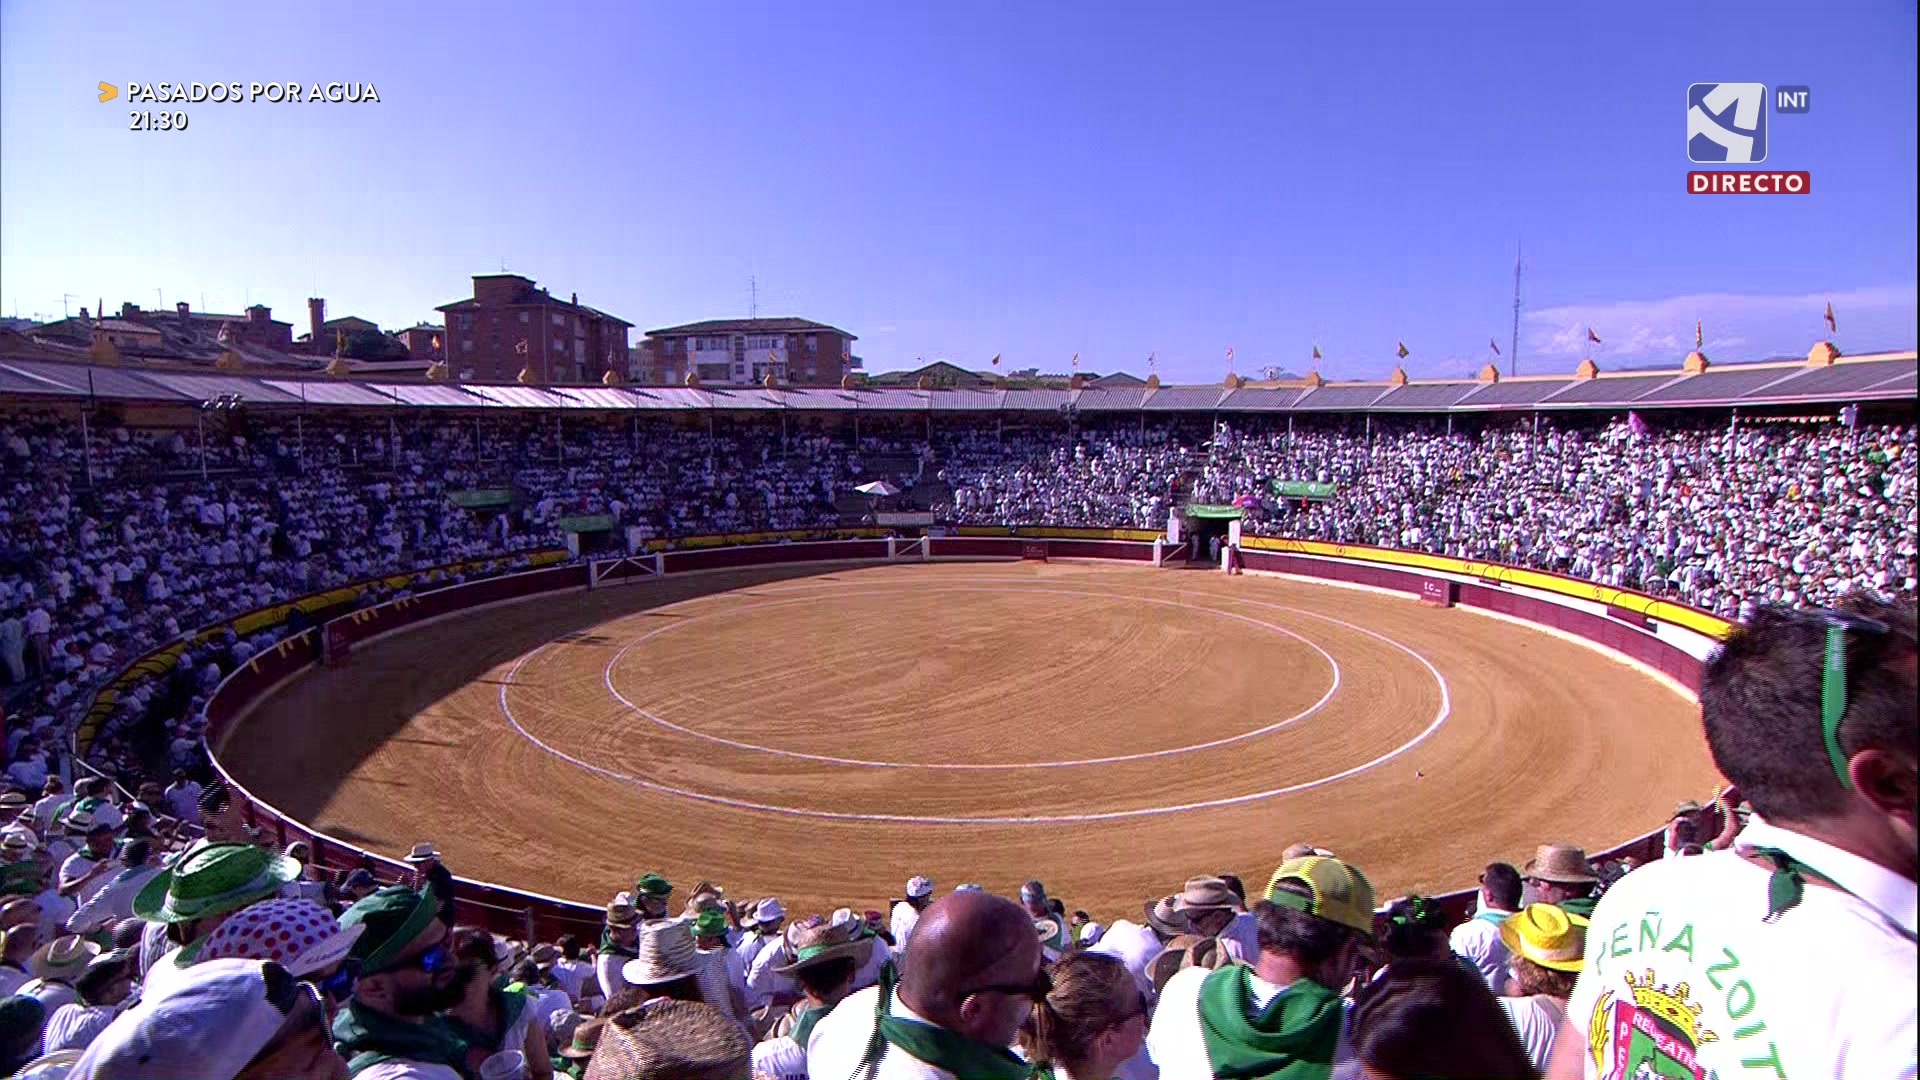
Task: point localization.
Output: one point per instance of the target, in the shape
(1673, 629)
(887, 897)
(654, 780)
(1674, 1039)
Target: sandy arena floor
(824, 732)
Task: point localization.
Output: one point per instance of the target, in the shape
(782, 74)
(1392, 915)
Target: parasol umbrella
(878, 489)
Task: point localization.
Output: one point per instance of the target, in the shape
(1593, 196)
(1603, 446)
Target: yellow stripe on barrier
(1025, 532)
(1654, 608)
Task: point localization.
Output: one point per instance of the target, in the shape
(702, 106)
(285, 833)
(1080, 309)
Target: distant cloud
(1743, 326)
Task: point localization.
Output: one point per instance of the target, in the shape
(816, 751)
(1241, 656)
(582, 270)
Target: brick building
(565, 341)
(742, 352)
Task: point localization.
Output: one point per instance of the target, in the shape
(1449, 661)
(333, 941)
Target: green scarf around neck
(511, 1004)
(938, 1047)
(1294, 1038)
(366, 1038)
(607, 945)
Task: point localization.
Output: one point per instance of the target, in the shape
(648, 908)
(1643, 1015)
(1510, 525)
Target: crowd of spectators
(148, 932)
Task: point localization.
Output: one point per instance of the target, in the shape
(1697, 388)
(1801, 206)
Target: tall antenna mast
(1513, 345)
(753, 296)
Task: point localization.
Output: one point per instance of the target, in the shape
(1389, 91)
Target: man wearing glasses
(1793, 952)
(969, 977)
(392, 1029)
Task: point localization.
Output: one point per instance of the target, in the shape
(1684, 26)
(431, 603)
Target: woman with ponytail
(1092, 1021)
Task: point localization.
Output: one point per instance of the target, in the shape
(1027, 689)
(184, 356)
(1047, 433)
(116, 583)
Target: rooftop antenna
(753, 296)
(1513, 345)
(65, 312)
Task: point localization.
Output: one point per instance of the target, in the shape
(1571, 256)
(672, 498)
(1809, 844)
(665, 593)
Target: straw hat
(1206, 894)
(672, 1040)
(621, 914)
(815, 945)
(666, 954)
(586, 1036)
(1547, 936)
(1562, 864)
(422, 852)
(766, 912)
(1164, 917)
(63, 959)
(215, 878)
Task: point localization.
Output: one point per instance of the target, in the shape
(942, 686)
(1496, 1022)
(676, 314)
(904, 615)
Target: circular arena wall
(1647, 632)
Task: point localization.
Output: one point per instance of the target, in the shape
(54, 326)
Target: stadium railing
(1628, 629)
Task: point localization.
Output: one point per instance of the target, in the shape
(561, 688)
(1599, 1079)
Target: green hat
(711, 922)
(393, 917)
(1339, 893)
(652, 884)
(22, 878)
(214, 879)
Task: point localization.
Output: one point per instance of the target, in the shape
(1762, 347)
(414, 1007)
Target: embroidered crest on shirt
(1653, 1032)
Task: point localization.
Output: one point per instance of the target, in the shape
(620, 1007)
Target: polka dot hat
(299, 935)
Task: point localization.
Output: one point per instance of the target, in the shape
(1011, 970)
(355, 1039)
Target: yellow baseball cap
(1340, 892)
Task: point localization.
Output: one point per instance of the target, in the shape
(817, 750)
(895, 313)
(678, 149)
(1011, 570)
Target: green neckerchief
(1788, 884)
(1294, 1038)
(608, 945)
(938, 1047)
(366, 1038)
(1580, 905)
(511, 1004)
(803, 1024)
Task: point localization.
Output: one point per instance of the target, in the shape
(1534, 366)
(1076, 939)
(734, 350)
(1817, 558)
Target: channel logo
(1727, 123)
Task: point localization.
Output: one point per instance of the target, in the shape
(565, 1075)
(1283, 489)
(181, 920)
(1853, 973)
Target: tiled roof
(749, 326)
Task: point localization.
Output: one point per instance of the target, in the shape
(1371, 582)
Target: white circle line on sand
(1440, 718)
(607, 679)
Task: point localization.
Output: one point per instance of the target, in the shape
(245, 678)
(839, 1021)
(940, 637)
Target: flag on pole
(1636, 425)
(1229, 356)
(1831, 328)
(339, 343)
(225, 335)
(1699, 335)
(1152, 359)
(1494, 345)
(1402, 350)
(1075, 362)
(996, 359)
(1316, 353)
(1592, 337)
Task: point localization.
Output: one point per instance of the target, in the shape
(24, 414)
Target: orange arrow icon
(108, 92)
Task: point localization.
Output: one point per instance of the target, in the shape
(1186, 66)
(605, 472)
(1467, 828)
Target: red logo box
(1749, 182)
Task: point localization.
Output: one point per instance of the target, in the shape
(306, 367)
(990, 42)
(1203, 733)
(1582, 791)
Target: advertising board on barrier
(1439, 592)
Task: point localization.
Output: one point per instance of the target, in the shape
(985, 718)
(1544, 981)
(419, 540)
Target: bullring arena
(821, 730)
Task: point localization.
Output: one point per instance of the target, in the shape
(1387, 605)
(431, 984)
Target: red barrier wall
(530, 915)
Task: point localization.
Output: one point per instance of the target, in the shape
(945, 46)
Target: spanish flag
(1593, 337)
(1316, 352)
(1075, 362)
(1699, 334)
(996, 359)
(1403, 349)
(1831, 328)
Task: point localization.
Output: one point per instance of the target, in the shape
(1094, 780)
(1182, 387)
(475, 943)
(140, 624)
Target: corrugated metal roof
(1425, 395)
(967, 400)
(318, 392)
(815, 397)
(1839, 379)
(1335, 398)
(1725, 384)
(1260, 398)
(1110, 399)
(1184, 397)
(1623, 390)
(14, 380)
(431, 394)
(1034, 400)
(600, 397)
(521, 397)
(1513, 393)
(203, 387)
(736, 398)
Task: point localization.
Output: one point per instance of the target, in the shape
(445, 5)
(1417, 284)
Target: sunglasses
(1833, 677)
(1037, 989)
(433, 961)
(339, 985)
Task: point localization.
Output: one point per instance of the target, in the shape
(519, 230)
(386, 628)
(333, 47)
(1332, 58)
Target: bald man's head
(970, 964)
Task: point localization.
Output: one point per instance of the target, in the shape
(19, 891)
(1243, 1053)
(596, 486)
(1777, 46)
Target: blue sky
(960, 180)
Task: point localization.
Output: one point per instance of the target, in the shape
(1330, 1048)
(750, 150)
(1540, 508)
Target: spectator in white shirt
(1812, 715)
(1477, 941)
